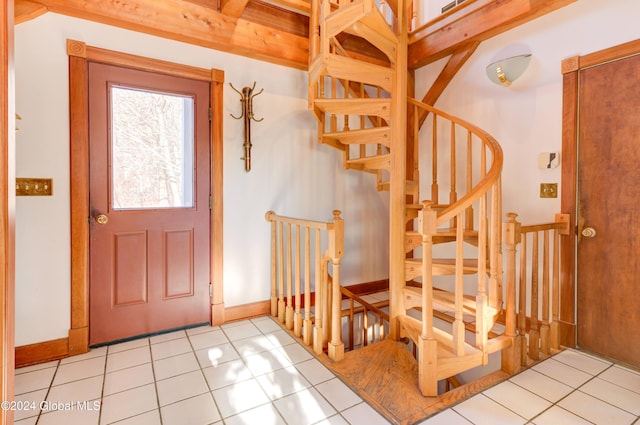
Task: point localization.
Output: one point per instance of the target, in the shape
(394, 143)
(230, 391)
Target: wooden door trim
(571, 68)
(79, 56)
(7, 209)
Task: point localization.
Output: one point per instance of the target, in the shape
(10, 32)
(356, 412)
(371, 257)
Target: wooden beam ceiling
(277, 31)
(194, 23)
(479, 21)
(26, 10)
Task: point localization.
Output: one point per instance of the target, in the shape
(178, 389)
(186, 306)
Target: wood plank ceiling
(277, 31)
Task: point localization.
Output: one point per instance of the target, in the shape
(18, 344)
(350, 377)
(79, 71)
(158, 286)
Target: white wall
(291, 173)
(526, 119)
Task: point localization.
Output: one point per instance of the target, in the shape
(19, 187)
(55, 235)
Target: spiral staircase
(445, 255)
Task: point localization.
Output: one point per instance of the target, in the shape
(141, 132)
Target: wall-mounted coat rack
(246, 97)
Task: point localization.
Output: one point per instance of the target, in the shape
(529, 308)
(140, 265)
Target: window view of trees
(151, 149)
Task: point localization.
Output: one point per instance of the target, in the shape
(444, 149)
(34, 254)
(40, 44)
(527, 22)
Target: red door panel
(149, 195)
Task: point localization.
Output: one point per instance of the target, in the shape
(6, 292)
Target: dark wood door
(608, 285)
(149, 200)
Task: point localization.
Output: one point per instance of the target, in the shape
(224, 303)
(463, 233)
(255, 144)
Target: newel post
(511, 356)
(274, 298)
(427, 343)
(336, 252)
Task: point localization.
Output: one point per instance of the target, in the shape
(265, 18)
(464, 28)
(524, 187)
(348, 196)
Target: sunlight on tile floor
(253, 372)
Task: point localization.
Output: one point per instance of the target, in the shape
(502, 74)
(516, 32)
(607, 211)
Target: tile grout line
(206, 382)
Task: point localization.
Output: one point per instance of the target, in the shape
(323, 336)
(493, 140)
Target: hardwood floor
(385, 374)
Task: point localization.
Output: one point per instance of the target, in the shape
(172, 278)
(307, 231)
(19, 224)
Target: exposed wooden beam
(301, 6)
(26, 10)
(457, 59)
(233, 7)
(192, 23)
(269, 15)
(480, 21)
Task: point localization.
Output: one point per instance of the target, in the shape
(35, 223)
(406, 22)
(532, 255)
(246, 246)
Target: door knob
(588, 232)
(102, 219)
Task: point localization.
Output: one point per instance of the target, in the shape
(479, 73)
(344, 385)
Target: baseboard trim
(247, 311)
(42, 352)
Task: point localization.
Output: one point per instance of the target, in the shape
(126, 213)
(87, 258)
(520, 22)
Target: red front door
(149, 199)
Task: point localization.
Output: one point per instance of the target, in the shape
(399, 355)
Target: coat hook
(246, 98)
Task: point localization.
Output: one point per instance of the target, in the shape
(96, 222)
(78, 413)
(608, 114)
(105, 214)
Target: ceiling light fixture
(506, 71)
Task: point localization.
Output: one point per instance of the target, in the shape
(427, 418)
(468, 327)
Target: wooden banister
(474, 195)
(536, 271)
(290, 254)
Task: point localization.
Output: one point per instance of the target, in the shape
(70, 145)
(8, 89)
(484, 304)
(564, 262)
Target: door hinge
(210, 290)
(210, 114)
(210, 202)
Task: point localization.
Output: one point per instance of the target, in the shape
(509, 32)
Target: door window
(152, 153)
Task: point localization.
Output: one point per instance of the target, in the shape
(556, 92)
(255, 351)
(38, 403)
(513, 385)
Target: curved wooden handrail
(491, 177)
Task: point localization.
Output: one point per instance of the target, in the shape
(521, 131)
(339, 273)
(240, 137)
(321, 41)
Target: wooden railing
(296, 254)
(359, 307)
(533, 264)
(476, 200)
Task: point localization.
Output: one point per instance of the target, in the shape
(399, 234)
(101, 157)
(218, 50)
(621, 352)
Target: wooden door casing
(80, 55)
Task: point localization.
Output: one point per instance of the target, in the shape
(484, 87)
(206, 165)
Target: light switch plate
(548, 190)
(26, 186)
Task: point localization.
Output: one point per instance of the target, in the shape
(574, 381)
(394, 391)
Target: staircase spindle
(555, 292)
(333, 120)
(458, 324)
(534, 334)
(481, 298)
(522, 303)
(318, 332)
(289, 280)
(434, 160)
(281, 302)
(495, 244)
(297, 315)
(306, 324)
(453, 193)
(469, 215)
(545, 344)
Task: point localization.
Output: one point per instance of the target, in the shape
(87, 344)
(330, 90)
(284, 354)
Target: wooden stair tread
(409, 185)
(413, 238)
(362, 18)
(440, 267)
(444, 301)
(376, 107)
(350, 69)
(377, 162)
(374, 135)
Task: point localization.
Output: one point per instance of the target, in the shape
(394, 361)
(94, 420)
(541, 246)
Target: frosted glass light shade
(506, 71)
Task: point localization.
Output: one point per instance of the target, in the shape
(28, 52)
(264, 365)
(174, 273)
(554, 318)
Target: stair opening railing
(533, 265)
(297, 254)
(359, 307)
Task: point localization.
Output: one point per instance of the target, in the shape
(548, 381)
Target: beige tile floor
(253, 372)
